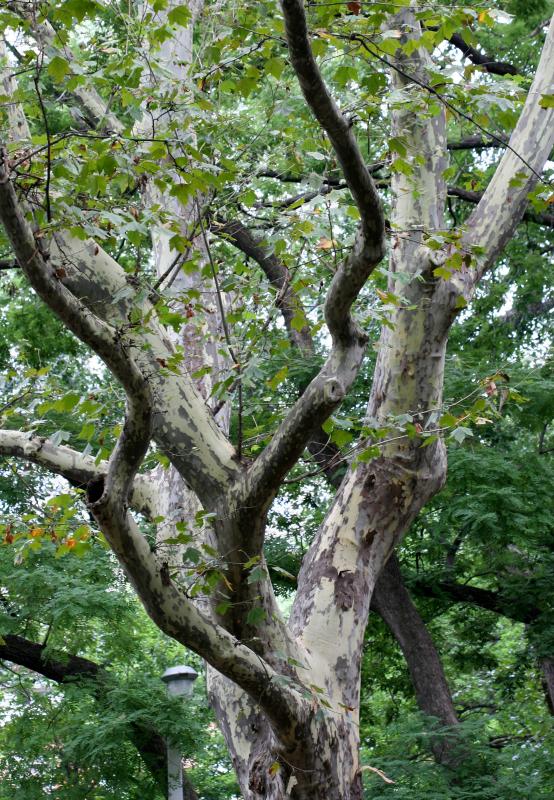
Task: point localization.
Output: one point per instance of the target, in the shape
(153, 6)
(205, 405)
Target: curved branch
(337, 127)
(475, 197)
(475, 595)
(278, 275)
(172, 611)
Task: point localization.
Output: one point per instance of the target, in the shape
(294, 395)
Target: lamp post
(179, 682)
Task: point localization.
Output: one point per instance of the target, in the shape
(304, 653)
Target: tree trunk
(393, 603)
(547, 670)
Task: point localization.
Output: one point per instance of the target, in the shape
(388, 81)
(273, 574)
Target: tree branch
(488, 63)
(475, 595)
(78, 469)
(394, 605)
(184, 427)
(171, 610)
(338, 129)
(503, 203)
(475, 197)
(328, 388)
(276, 272)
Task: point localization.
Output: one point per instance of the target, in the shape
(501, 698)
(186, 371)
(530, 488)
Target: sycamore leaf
(256, 616)
(180, 15)
(275, 67)
(274, 769)
(58, 68)
(279, 377)
(547, 101)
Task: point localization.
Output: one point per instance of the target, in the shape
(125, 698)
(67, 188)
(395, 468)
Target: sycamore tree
(146, 153)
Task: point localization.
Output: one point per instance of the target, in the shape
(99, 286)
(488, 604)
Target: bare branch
(473, 143)
(32, 656)
(474, 197)
(475, 595)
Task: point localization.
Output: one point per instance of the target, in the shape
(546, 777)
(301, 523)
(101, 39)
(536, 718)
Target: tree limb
(503, 203)
(475, 197)
(475, 595)
(79, 319)
(488, 63)
(338, 129)
(278, 275)
(167, 605)
(78, 469)
(328, 388)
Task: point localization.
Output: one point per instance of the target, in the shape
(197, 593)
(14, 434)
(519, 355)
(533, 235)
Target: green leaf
(275, 67)
(179, 15)
(60, 501)
(461, 433)
(461, 302)
(368, 454)
(299, 321)
(67, 402)
(257, 574)
(278, 378)
(256, 616)
(341, 438)
(398, 145)
(58, 68)
(547, 101)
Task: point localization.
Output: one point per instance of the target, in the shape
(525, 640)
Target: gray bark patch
(345, 590)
